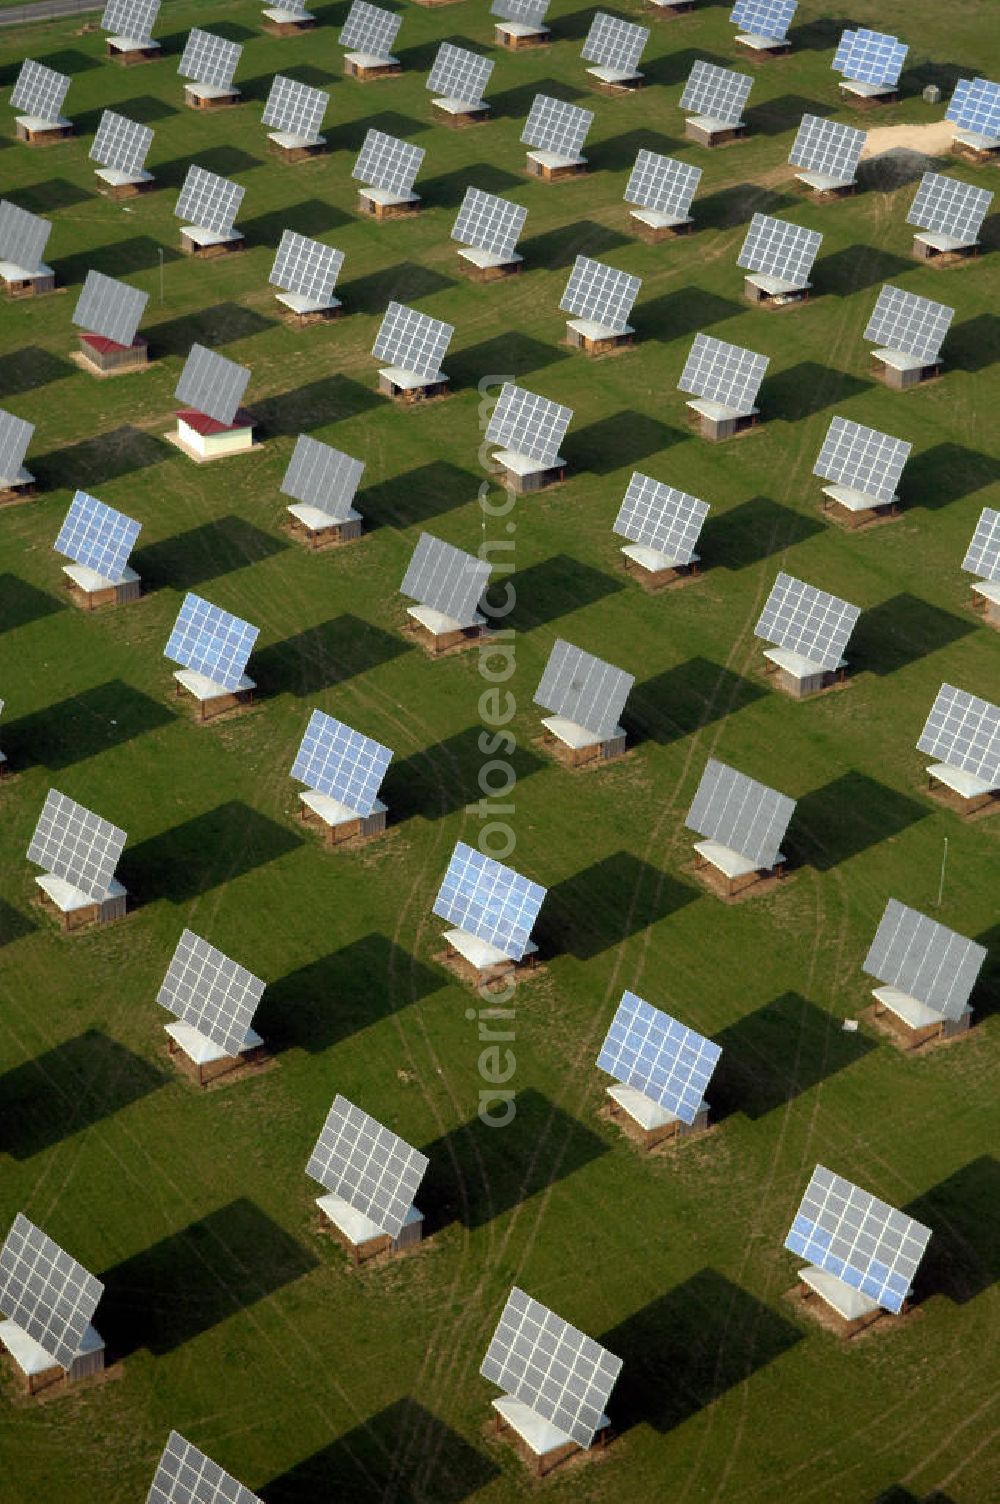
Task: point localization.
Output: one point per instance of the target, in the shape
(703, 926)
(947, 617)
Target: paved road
(47, 10)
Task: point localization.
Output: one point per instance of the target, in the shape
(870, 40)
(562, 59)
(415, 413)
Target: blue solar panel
(870, 57)
(97, 536)
(975, 106)
(764, 18)
(661, 1058)
(334, 760)
(211, 642)
(489, 900)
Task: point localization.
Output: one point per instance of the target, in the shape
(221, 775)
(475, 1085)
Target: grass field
(236, 1320)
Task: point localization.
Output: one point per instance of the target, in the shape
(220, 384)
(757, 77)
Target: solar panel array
(39, 91)
(307, 267)
(863, 1241)
(110, 308)
(97, 536)
(717, 92)
(121, 143)
(458, 73)
(740, 813)
(210, 641)
(924, 959)
(779, 249)
(369, 28)
(982, 558)
(446, 579)
(947, 206)
(584, 689)
(870, 57)
(488, 222)
(661, 517)
(15, 436)
(73, 843)
(212, 384)
(46, 1292)
(553, 125)
(367, 1166)
(209, 59)
(528, 424)
(23, 236)
(184, 1475)
(209, 201)
(527, 12)
(653, 1053)
(964, 732)
(341, 763)
(614, 43)
(386, 162)
(295, 107)
(827, 146)
(662, 183)
(764, 18)
(130, 18)
(723, 373)
(975, 106)
(321, 476)
(806, 620)
(862, 458)
(559, 1372)
(905, 321)
(486, 899)
(600, 292)
(213, 994)
(412, 341)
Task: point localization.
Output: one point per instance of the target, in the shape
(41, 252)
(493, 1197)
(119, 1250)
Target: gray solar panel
(445, 578)
(412, 341)
(211, 641)
(23, 236)
(209, 59)
(528, 424)
(654, 1054)
(209, 201)
(488, 222)
(982, 558)
(184, 1475)
(779, 249)
(862, 458)
(369, 28)
(97, 536)
(828, 147)
(486, 899)
(614, 43)
(15, 436)
(871, 57)
(947, 206)
(459, 74)
(740, 813)
(723, 373)
(121, 143)
(662, 183)
(373, 1170)
(975, 106)
(964, 732)
(600, 292)
(716, 92)
(341, 763)
(295, 107)
(130, 18)
(583, 689)
(527, 12)
(213, 994)
(904, 321)
(387, 163)
(46, 1292)
(73, 843)
(306, 267)
(924, 959)
(863, 1241)
(661, 517)
(764, 18)
(323, 477)
(553, 125)
(39, 91)
(559, 1372)
(808, 621)
(110, 308)
(212, 384)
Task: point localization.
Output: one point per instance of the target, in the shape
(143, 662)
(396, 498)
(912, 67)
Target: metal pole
(159, 252)
(944, 859)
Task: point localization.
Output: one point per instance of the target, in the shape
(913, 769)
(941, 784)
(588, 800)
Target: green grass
(242, 1326)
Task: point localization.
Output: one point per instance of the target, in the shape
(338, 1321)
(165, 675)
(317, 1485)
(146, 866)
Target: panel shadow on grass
(606, 903)
(685, 698)
(204, 553)
(805, 389)
(202, 853)
(259, 87)
(70, 60)
(816, 36)
(191, 1280)
(901, 631)
(332, 399)
(29, 368)
(897, 1494)
(684, 311)
(448, 190)
(313, 217)
(84, 725)
(783, 113)
(674, 67)
(227, 161)
(402, 283)
(147, 109)
(689, 1347)
(946, 473)
(106, 456)
(513, 352)
(403, 1452)
(974, 344)
(986, 995)
(71, 1087)
(856, 267)
(417, 496)
(618, 154)
(515, 103)
(119, 258)
(45, 198)
(560, 247)
(21, 603)
(773, 1055)
(848, 815)
(222, 324)
(623, 439)
(444, 778)
(349, 135)
(753, 531)
(963, 1213)
(324, 655)
(556, 587)
(13, 924)
(728, 207)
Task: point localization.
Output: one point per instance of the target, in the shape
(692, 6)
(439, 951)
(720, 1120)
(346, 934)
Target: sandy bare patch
(933, 140)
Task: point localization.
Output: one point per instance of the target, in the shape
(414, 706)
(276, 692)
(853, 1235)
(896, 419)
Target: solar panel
(209, 201)
(186, 1476)
(599, 292)
(369, 28)
(323, 477)
(740, 813)
(764, 18)
(97, 536)
(807, 621)
(459, 74)
(862, 458)
(295, 107)
(924, 959)
(213, 994)
(553, 125)
(904, 321)
(947, 206)
(779, 249)
(662, 183)
(15, 436)
(445, 578)
(827, 146)
(975, 106)
(339, 762)
(39, 91)
(373, 1170)
(488, 222)
(121, 143)
(73, 843)
(412, 341)
(560, 1373)
(386, 162)
(23, 236)
(871, 57)
(130, 18)
(210, 641)
(723, 373)
(528, 424)
(963, 731)
(110, 308)
(486, 899)
(209, 59)
(661, 517)
(982, 558)
(306, 267)
(717, 92)
(863, 1241)
(45, 1291)
(528, 12)
(614, 43)
(653, 1053)
(212, 384)
(584, 689)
